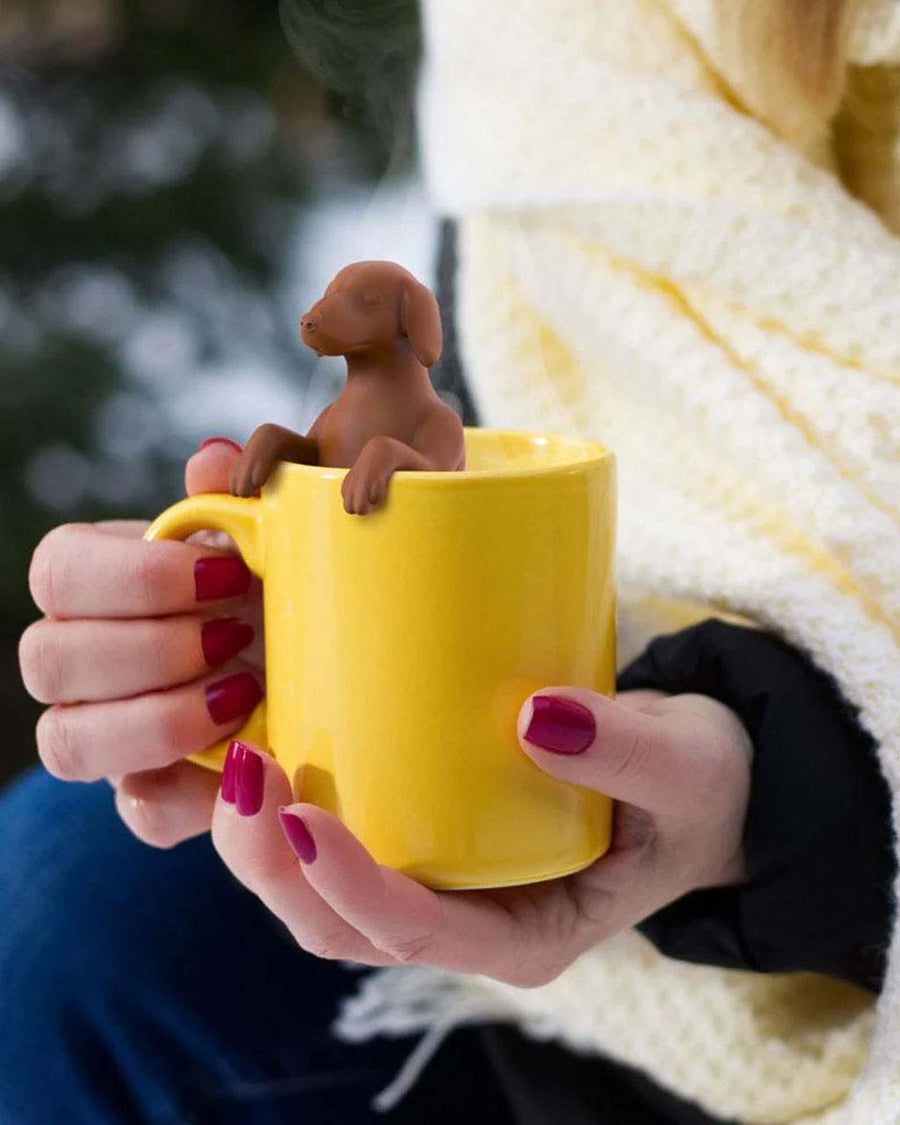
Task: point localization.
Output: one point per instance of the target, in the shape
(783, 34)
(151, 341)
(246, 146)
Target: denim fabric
(146, 986)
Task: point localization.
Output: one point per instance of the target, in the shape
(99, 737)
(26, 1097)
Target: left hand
(678, 766)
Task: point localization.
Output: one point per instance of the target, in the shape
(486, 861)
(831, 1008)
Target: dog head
(373, 306)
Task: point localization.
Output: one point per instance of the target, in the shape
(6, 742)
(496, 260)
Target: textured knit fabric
(644, 261)
(806, 903)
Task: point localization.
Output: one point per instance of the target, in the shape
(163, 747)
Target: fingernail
(298, 835)
(224, 577)
(560, 725)
(233, 697)
(219, 441)
(223, 638)
(249, 780)
(234, 751)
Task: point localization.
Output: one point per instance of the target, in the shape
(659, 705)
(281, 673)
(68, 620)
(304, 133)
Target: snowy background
(179, 179)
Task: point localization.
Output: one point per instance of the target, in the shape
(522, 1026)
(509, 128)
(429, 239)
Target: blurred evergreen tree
(156, 173)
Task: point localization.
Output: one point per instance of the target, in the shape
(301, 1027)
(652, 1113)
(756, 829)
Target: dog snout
(310, 323)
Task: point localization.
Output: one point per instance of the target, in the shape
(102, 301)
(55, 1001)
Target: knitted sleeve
(644, 261)
(805, 906)
(817, 836)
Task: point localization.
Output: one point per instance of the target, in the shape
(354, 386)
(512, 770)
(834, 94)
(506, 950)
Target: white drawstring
(401, 1001)
(409, 1073)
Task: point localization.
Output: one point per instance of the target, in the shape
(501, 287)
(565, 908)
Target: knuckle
(405, 948)
(146, 578)
(634, 754)
(720, 760)
(145, 819)
(532, 975)
(257, 867)
(718, 772)
(41, 664)
(167, 720)
(709, 774)
(160, 650)
(43, 574)
(40, 577)
(58, 746)
(329, 945)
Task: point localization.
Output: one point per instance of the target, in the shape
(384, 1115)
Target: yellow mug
(401, 644)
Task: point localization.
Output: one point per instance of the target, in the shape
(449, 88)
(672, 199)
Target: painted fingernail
(249, 780)
(224, 577)
(219, 441)
(223, 638)
(233, 697)
(298, 835)
(234, 750)
(560, 725)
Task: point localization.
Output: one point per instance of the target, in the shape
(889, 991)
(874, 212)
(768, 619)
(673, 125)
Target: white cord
(409, 1073)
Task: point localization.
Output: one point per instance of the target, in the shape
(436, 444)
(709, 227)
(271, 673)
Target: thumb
(209, 470)
(591, 740)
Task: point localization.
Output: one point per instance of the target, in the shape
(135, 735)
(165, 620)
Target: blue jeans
(144, 986)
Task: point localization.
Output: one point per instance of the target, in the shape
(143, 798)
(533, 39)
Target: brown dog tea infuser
(388, 417)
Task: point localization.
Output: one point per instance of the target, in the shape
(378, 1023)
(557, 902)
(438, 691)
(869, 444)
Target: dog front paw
(365, 485)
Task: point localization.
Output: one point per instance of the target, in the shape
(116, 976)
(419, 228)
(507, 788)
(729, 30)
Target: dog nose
(309, 323)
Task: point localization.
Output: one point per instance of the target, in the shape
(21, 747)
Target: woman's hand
(147, 653)
(678, 767)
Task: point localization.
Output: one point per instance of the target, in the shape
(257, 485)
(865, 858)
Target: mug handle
(243, 521)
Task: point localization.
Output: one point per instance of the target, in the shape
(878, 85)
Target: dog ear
(420, 322)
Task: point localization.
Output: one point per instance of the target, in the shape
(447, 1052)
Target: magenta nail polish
(223, 638)
(225, 576)
(234, 751)
(219, 441)
(249, 780)
(560, 725)
(233, 697)
(298, 835)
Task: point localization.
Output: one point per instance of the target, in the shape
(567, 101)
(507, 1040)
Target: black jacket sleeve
(818, 836)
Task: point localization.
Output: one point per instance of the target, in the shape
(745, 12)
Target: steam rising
(367, 51)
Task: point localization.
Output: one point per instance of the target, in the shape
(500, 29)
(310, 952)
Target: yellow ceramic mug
(400, 646)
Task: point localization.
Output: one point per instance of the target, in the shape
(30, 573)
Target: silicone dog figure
(388, 416)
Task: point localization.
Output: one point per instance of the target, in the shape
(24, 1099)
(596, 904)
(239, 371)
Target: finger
(164, 807)
(249, 838)
(643, 699)
(467, 932)
(136, 529)
(87, 741)
(79, 571)
(129, 529)
(91, 661)
(210, 467)
(591, 740)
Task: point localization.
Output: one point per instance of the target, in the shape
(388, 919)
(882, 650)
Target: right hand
(134, 659)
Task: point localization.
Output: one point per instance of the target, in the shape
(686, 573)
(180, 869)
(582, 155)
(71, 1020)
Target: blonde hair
(787, 58)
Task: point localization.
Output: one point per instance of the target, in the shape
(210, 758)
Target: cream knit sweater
(643, 261)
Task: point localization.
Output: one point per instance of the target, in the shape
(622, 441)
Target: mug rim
(592, 453)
